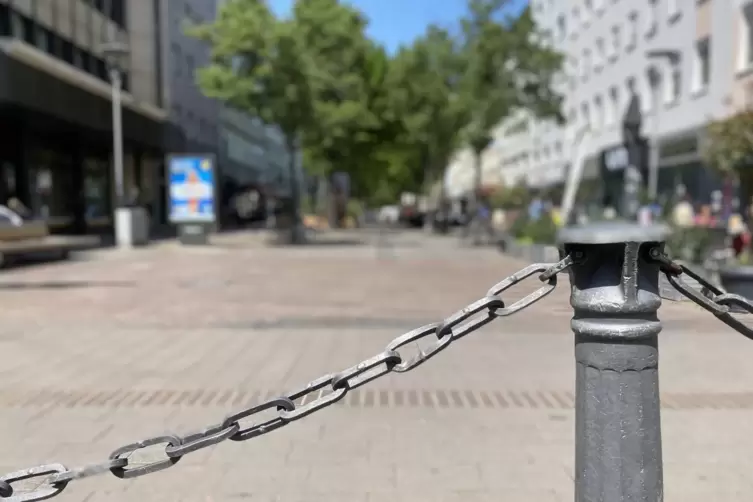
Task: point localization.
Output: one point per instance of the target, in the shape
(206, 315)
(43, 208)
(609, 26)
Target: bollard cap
(612, 232)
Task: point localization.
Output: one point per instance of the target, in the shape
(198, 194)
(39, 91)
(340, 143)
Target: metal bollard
(615, 297)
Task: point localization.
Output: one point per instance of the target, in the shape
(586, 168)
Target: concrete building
(679, 56)
(741, 95)
(55, 111)
(660, 49)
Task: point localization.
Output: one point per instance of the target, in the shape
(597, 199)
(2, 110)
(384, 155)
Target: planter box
(737, 280)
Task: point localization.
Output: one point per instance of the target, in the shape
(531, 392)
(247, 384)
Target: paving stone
(125, 346)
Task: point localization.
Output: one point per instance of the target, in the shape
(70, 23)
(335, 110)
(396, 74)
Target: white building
(678, 55)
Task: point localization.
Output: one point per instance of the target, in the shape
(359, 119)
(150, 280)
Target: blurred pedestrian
(683, 215)
(739, 232)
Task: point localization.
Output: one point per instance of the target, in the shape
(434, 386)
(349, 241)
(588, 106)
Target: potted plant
(729, 150)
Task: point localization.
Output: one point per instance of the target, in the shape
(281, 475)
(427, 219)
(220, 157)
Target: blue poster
(191, 188)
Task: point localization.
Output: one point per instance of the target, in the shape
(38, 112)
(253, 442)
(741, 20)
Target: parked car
(413, 210)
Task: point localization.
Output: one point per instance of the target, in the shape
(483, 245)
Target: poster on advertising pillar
(192, 192)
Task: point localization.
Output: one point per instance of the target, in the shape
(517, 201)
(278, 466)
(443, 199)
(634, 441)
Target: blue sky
(396, 22)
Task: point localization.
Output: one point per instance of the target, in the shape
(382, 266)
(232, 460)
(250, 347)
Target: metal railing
(615, 299)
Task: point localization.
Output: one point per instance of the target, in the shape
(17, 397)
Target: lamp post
(116, 54)
(673, 57)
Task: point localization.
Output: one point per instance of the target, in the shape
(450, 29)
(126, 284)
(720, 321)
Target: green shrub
(354, 209)
(543, 230)
(519, 226)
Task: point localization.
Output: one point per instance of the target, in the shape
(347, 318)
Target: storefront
(56, 152)
(680, 163)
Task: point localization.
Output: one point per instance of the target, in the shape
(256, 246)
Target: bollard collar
(612, 232)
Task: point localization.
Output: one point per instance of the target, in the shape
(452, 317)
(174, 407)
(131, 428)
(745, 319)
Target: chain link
(709, 297)
(317, 394)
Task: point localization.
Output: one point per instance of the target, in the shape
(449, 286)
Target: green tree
(259, 65)
(729, 147)
(424, 81)
(347, 75)
(508, 67)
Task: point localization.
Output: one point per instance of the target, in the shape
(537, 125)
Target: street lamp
(116, 54)
(673, 57)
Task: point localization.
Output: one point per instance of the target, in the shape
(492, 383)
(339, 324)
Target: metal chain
(710, 297)
(323, 392)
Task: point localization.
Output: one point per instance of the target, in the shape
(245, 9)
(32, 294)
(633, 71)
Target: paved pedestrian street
(122, 346)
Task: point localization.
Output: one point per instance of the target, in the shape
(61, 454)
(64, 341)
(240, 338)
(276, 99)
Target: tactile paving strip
(360, 398)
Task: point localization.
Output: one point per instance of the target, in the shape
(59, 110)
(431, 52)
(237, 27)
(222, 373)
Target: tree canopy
(391, 121)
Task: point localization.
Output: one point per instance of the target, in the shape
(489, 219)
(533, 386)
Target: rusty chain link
(710, 297)
(56, 477)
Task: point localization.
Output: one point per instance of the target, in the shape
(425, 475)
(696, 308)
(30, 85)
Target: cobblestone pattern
(103, 352)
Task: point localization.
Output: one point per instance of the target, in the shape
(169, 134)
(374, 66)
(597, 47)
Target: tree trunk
(296, 227)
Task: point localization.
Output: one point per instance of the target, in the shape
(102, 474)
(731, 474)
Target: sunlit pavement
(123, 346)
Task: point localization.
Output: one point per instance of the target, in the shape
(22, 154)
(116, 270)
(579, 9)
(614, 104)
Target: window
(616, 43)
(86, 61)
(651, 18)
(44, 40)
(576, 21)
(632, 40)
(746, 39)
(561, 27)
(600, 55)
(78, 60)
(66, 51)
(599, 6)
(702, 65)
(673, 10)
(191, 64)
(118, 12)
(101, 69)
(4, 21)
(673, 86)
(614, 106)
(598, 117)
(586, 63)
(22, 28)
(176, 59)
(587, 11)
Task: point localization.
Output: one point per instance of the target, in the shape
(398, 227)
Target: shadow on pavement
(322, 242)
(64, 285)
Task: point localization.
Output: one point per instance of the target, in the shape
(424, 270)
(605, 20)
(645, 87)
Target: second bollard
(615, 297)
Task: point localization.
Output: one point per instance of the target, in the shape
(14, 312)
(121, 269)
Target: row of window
(581, 18)
(545, 153)
(112, 9)
(606, 110)
(16, 25)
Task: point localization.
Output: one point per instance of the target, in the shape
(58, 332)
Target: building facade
(674, 55)
(55, 109)
(684, 61)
